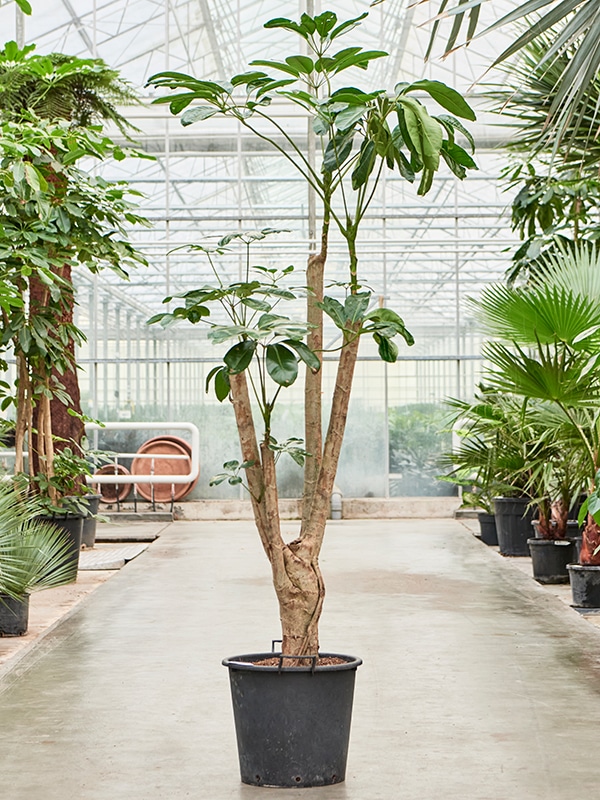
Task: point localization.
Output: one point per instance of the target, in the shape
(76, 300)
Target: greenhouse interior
(421, 256)
(291, 269)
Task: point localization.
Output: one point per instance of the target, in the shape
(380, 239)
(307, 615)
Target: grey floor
(476, 683)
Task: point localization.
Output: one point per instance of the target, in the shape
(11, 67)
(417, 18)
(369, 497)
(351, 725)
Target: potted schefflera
(292, 708)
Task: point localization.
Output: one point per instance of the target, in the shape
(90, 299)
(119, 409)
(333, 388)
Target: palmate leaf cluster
(546, 355)
(264, 335)
(356, 128)
(574, 29)
(33, 554)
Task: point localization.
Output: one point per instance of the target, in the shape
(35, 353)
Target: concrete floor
(476, 685)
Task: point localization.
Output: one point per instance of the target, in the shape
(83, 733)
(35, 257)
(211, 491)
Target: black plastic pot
(487, 528)
(585, 585)
(292, 723)
(72, 525)
(549, 559)
(513, 525)
(88, 533)
(14, 615)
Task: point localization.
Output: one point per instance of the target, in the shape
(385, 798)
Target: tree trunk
(313, 415)
(66, 429)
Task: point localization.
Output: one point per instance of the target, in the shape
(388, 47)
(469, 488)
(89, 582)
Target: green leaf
(334, 309)
(239, 357)
(305, 353)
(286, 24)
(348, 25)
(356, 305)
(364, 167)
(454, 123)
(388, 350)
(424, 132)
(25, 6)
(222, 386)
(282, 364)
(302, 64)
(337, 151)
(583, 512)
(196, 114)
(459, 155)
(349, 116)
(255, 304)
(448, 98)
(276, 65)
(324, 23)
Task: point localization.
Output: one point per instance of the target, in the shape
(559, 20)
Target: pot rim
(581, 567)
(243, 663)
(562, 542)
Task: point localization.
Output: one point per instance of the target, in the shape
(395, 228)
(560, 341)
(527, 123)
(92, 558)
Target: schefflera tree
(358, 134)
(53, 215)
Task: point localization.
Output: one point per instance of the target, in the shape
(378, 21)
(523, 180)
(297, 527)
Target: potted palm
(493, 462)
(547, 350)
(34, 555)
(300, 738)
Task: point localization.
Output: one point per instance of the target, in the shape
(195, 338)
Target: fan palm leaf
(33, 554)
(579, 22)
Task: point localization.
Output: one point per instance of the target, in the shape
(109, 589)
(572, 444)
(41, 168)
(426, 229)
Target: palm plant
(493, 453)
(548, 354)
(575, 27)
(558, 188)
(33, 554)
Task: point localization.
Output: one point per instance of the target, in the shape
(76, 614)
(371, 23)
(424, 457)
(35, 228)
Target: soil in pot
(14, 615)
(513, 524)
(292, 723)
(549, 559)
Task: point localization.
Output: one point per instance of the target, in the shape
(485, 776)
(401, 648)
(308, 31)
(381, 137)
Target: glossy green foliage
(53, 214)
(357, 129)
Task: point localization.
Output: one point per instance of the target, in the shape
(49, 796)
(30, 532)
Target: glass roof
(425, 255)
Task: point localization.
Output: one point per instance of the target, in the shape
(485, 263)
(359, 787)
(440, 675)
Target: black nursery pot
(14, 615)
(585, 585)
(72, 526)
(292, 724)
(513, 524)
(88, 533)
(549, 559)
(487, 529)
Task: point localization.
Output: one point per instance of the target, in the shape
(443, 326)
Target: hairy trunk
(590, 543)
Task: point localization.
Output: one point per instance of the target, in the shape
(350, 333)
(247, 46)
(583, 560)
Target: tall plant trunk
(313, 413)
(65, 428)
(295, 570)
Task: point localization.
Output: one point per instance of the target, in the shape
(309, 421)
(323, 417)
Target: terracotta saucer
(112, 491)
(165, 447)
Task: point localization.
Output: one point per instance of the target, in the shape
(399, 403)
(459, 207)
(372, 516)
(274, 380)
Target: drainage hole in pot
(257, 778)
(334, 778)
(297, 778)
